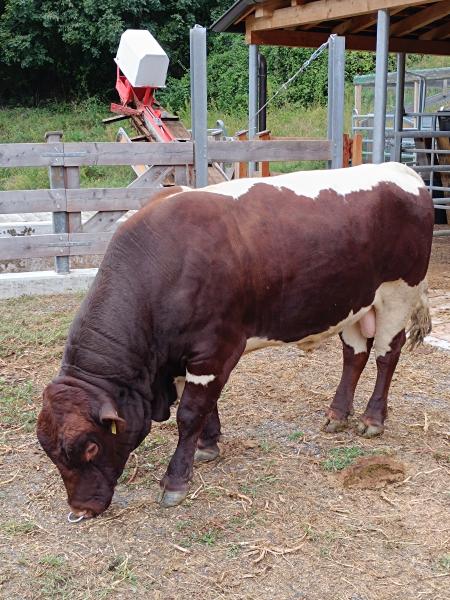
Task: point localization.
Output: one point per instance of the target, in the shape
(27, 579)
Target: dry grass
(270, 519)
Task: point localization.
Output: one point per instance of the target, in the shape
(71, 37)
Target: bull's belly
(365, 318)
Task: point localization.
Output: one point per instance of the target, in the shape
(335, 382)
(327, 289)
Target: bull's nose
(78, 512)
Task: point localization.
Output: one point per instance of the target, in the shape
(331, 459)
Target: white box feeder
(141, 59)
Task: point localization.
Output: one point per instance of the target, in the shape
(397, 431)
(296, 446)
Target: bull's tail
(420, 319)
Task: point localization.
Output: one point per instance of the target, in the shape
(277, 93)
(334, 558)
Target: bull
(198, 277)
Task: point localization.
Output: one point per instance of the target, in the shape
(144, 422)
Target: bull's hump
(341, 181)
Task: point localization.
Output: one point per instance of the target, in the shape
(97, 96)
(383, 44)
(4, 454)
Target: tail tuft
(420, 321)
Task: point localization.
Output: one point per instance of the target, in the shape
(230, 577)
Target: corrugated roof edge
(227, 20)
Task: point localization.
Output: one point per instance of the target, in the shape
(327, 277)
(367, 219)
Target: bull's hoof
(206, 454)
(169, 498)
(335, 425)
(369, 430)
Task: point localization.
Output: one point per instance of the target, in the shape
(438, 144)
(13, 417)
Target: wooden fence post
(60, 218)
(242, 167)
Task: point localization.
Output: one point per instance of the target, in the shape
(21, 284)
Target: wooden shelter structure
(417, 26)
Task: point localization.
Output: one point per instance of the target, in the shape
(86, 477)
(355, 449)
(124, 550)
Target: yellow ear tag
(113, 428)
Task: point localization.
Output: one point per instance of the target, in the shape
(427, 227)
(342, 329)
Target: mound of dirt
(373, 473)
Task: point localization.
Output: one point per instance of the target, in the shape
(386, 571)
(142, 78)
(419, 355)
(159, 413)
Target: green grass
(16, 404)
(14, 528)
(339, 458)
(29, 325)
(79, 122)
(296, 436)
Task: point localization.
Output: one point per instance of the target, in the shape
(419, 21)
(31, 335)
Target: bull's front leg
(207, 448)
(197, 416)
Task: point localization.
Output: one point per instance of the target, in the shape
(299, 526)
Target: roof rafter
(360, 23)
(421, 18)
(437, 33)
(324, 10)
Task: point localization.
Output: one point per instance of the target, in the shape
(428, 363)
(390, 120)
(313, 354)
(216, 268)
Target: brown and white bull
(197, 277)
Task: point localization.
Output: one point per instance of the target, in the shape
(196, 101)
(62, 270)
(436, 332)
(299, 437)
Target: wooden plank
(107, 199)
(313, 39)
(58, 154)
(437, 33)
(32, 201)
(420, 19)
(113, 153)
(272, 150)
(31, 155)
(75, 200)
(105, 220)
(34, 246)
(324, 10)
(53, 244)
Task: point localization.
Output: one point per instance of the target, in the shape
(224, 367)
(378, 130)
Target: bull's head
(85, 437)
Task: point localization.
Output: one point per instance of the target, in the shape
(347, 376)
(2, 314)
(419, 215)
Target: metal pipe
(399, 105)
(262, 92)
(381, 72)
(252, 97)
(199, 106)
(336, 85)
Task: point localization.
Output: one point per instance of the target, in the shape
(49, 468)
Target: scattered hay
(373, 473)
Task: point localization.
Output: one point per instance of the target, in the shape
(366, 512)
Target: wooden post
(60, 218)
(72, 181)
(242, 167)
(357, 148)
(265, 165)
(347, 143)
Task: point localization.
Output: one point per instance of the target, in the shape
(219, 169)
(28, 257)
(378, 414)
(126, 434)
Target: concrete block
(13, 285)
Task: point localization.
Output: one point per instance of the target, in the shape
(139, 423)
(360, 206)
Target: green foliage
(64, 48)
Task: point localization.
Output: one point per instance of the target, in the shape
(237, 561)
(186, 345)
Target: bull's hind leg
(197, 415)
(356, 349)
(394, 303)
(372, 421)
(207, 448)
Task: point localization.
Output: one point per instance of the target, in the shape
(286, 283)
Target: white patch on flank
(199, 379)
(342, 181)
(393, 304)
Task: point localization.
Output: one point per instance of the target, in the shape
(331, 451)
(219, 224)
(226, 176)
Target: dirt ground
(278, 516)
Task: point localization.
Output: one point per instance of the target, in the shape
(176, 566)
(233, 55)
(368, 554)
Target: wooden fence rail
(66, 201)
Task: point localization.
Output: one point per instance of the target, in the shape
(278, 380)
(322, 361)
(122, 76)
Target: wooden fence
(66, 200)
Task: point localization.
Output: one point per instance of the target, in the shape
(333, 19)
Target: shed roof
(419, 26)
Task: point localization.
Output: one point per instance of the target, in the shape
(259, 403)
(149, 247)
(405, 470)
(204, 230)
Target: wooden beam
(270, 150)
(313, 39)
(357, 24)
(437, 33)
(324, 10)
(420, 19)
(267, 9)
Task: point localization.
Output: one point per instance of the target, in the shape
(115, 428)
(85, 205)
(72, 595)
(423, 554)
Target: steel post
(399, 107)
(252, 98)
(199, 106)
(336, 92)
(381, 71)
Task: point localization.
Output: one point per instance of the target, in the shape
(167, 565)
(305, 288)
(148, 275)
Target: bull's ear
(90, 452)
(108, 414)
